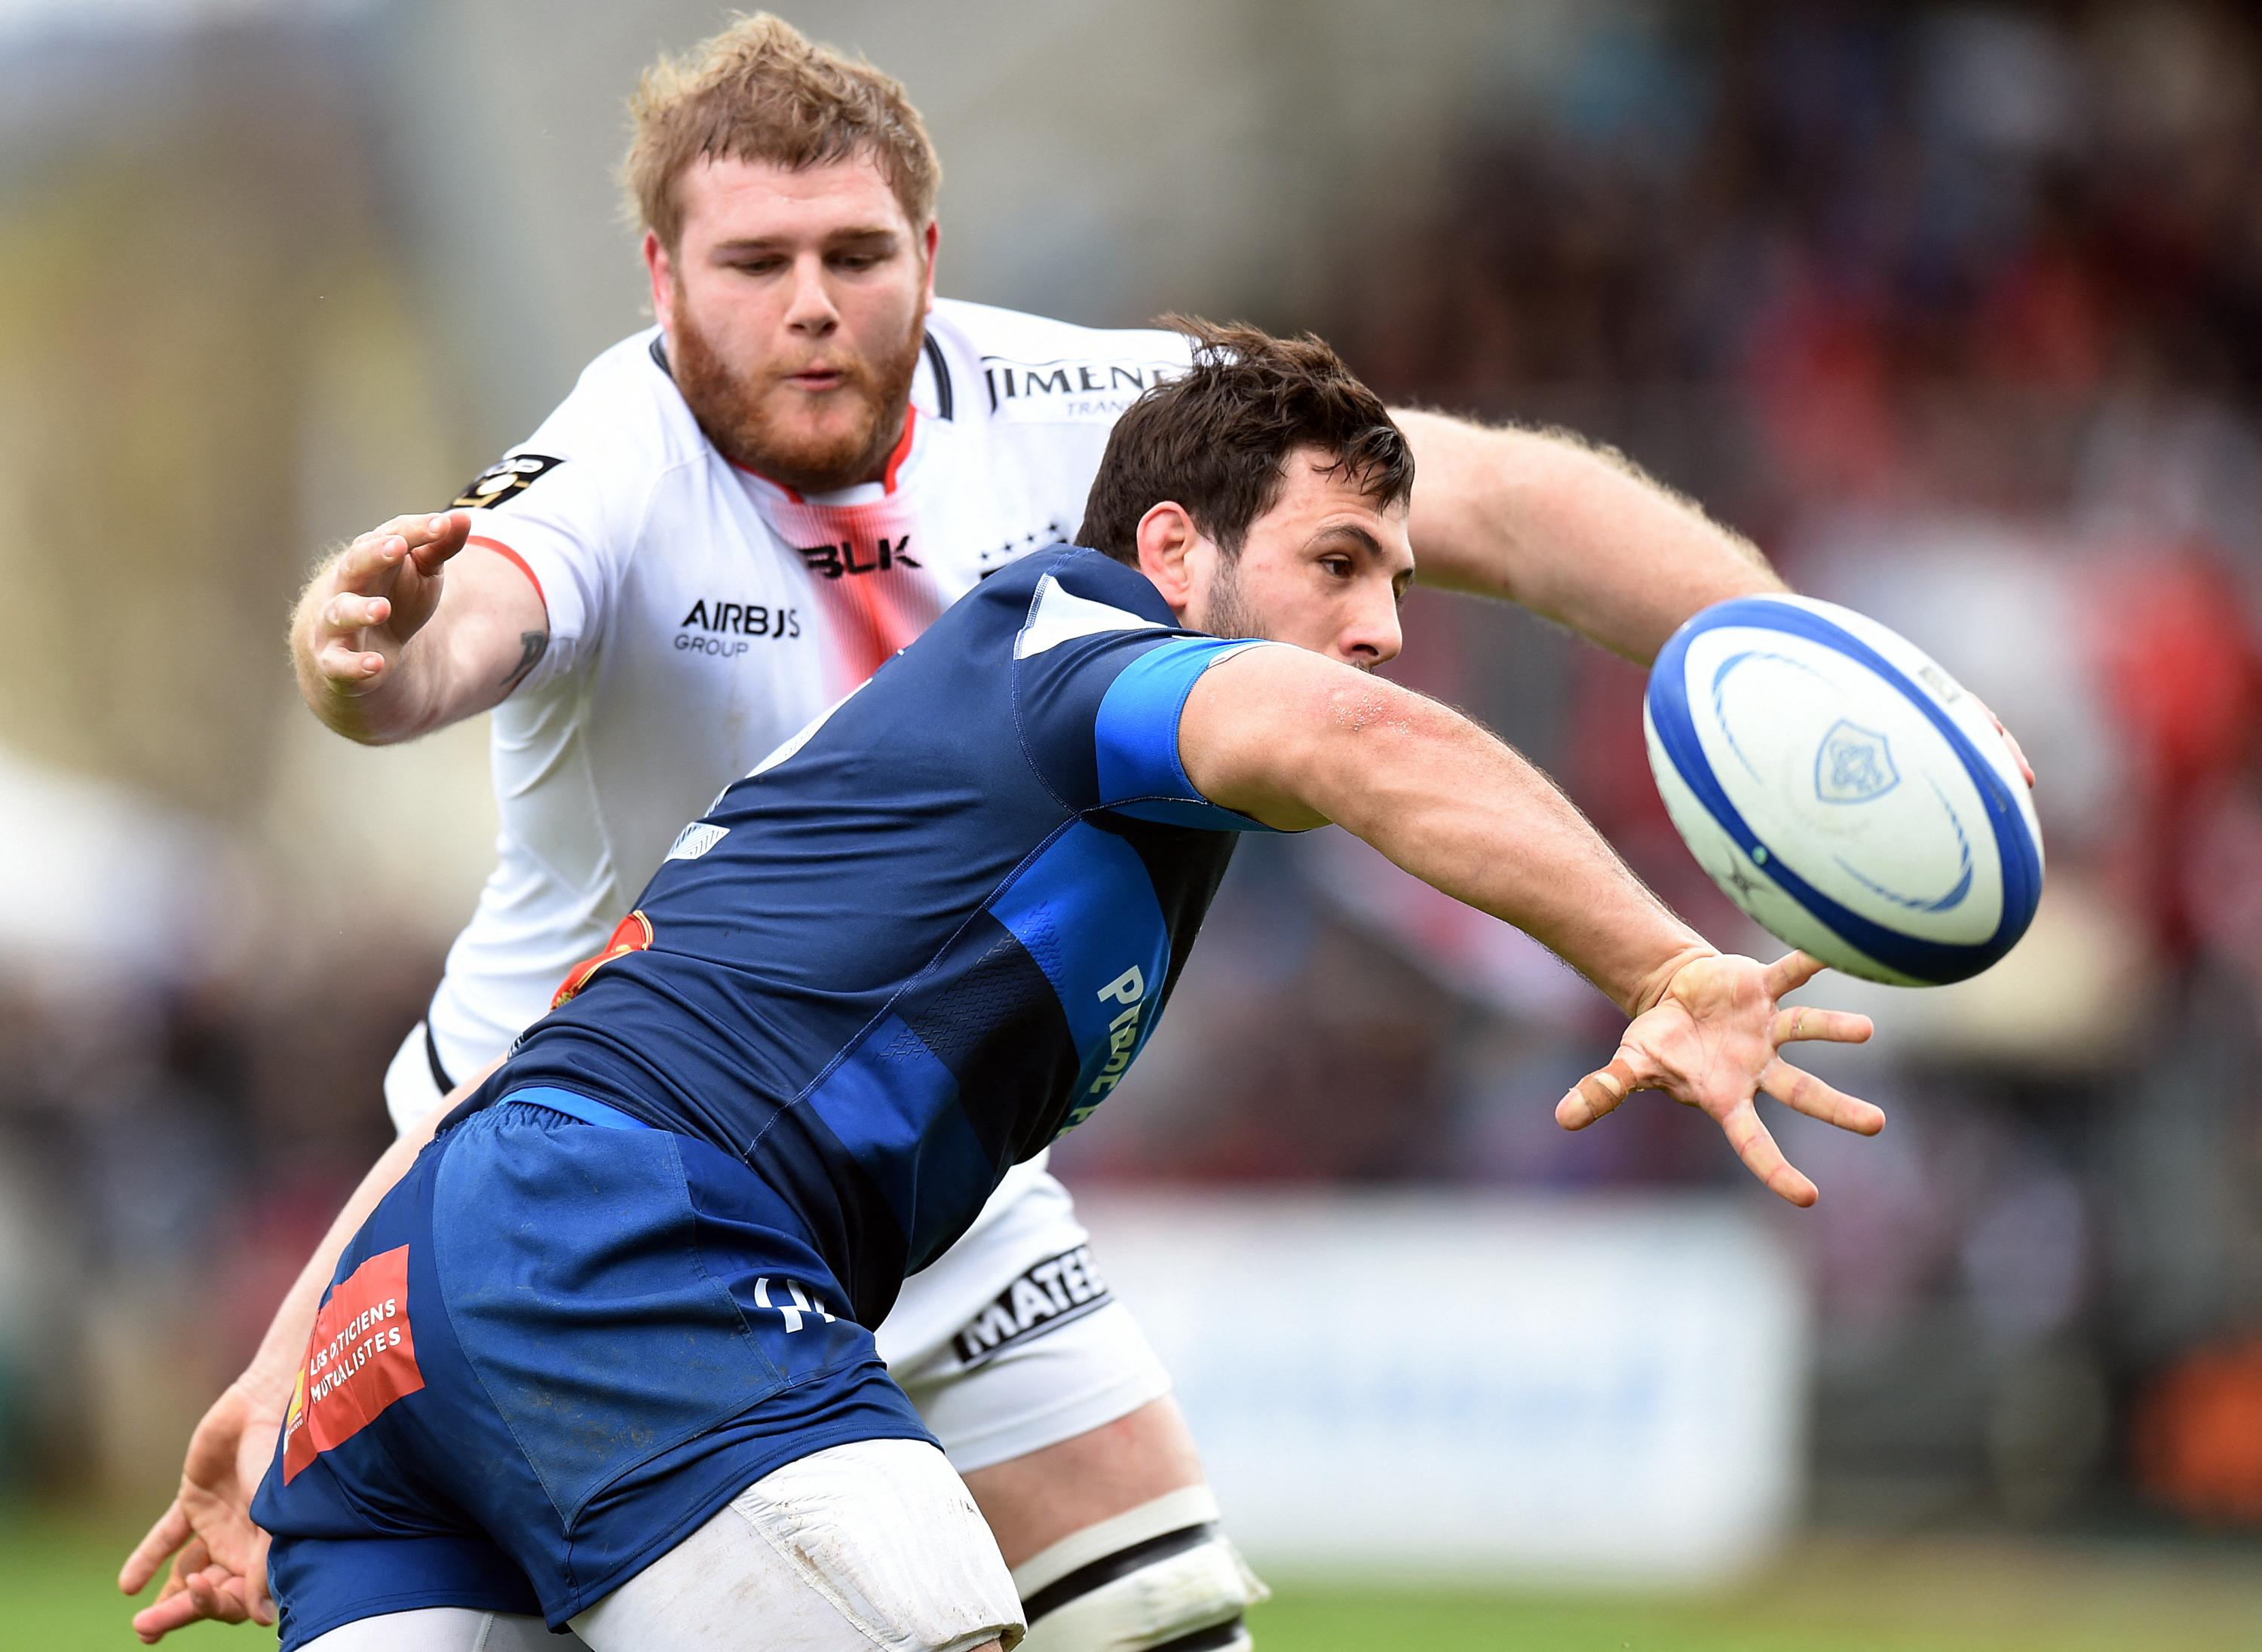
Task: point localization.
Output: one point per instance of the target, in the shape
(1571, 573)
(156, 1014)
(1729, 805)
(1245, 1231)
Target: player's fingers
(415, 528)
(200, 1590)
(436, 539)
(226, 1589)
(2018, 752)
(1595, 1095)
(256, 1595)
(1791, 971)
(153, 1623)
(370, 563)
(339, 663)
(1796, 1023)
(1763, 1158)
(352, 611)
(1802, 1093)
(171, 1530)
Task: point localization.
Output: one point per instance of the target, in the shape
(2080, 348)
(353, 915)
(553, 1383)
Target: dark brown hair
(1217, 439)
(760, 91)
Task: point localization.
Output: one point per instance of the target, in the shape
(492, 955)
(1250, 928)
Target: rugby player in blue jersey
(604, 1351)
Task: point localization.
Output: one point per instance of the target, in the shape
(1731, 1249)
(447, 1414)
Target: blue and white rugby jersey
(931, 932)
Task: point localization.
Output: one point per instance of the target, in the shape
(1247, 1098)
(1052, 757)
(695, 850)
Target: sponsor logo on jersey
(1070, 389)
(360, 1359)
(504, 480)
(836, 561)
(1055, 1291)
(723, 629)
(1128, 989)
(632, 934)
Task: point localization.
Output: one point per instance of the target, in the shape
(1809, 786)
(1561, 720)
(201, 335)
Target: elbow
(1378, 741)
(1368, 714)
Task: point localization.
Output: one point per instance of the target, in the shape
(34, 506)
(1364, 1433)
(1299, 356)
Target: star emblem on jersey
(1853, 764)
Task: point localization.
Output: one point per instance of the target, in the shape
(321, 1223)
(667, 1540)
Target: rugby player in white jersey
(734, 518)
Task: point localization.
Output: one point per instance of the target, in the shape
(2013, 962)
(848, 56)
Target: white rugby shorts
(1008, 1343)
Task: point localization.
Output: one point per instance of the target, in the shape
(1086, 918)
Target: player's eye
(1339, 567)
(854, 261)
(758, 266)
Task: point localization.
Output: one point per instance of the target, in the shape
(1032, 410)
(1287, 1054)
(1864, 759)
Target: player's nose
(810, 308)
(1373, 637)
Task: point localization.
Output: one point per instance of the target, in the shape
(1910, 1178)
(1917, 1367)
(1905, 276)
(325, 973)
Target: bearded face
(795, 303)
(816, 421)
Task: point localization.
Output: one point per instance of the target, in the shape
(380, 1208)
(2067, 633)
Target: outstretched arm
(1295, 740)
(220, 1570)
(412, 627)
(1575, 532)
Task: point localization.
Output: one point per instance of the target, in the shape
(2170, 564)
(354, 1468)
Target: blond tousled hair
(762, 91)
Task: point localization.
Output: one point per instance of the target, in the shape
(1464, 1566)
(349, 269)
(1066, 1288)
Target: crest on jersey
(504, 479)
(632, 934)
(1854, 765)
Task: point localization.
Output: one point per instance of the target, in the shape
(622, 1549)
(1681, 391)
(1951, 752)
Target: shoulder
(1031, 369)
(621, 427)
(1075, 606)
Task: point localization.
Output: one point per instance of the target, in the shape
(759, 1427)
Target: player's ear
(1166, 539)
(662, 271)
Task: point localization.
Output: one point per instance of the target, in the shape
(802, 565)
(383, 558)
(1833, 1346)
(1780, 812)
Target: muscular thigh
(1051, 1403)
(873, 1545)
(1033, 1502)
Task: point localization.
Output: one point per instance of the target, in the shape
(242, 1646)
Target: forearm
(1574, 532)
(1294, 739)
(1468, 815)
(275, 1367)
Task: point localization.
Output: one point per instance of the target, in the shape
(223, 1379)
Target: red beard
(738, 410)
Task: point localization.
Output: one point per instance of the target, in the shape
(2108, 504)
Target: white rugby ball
(1843, 790)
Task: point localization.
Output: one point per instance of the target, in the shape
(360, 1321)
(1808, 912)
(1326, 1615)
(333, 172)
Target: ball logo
(1854, 765)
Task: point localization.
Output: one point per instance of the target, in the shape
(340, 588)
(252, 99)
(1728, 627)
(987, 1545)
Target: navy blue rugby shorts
(561, 1343)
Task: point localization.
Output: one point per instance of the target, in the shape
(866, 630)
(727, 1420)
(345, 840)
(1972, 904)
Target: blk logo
(836, 561)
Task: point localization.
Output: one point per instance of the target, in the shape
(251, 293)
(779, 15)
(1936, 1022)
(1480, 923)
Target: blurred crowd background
(1956, 310)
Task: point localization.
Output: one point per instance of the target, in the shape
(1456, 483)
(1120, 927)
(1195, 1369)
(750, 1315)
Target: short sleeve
(549, 510)
(1099, 712)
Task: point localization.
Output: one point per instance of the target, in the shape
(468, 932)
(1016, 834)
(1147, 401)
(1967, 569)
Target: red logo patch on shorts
(360, 1359)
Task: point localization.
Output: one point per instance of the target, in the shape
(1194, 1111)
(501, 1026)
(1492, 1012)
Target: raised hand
(220, 1569)
(381, 590)
(1710, 1042)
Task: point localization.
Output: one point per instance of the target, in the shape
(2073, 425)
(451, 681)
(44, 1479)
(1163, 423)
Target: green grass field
(1838, 1596)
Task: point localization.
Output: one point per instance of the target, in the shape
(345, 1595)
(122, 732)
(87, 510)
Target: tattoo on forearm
(532, 645)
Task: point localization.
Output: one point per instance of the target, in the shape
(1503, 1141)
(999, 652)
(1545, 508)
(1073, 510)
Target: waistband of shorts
(585, 1108)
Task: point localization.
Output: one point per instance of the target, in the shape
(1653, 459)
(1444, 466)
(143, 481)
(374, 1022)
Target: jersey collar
(896, 458)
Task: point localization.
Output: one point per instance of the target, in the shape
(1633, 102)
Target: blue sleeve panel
(1136, 737)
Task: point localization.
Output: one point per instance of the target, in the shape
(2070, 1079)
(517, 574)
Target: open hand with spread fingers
(377, 594)
(219, 1554)
(1710, 1042)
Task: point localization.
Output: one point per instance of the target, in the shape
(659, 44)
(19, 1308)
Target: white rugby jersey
(700, 614)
